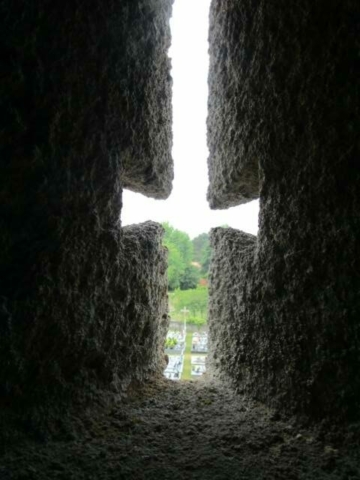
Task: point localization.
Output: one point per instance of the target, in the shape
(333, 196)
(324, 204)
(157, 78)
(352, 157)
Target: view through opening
(186, 215)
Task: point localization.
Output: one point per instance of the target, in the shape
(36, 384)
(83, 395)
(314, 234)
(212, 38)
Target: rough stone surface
(95, 329)
(289, 305)
(231, 263)
(90, 76)
(171, 430)
(85, 93)
(146, 95)
(144, 300)
(235, 113)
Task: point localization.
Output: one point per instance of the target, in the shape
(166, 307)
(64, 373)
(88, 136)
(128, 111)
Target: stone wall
(86, 92)
(287, 304)
(231, 264)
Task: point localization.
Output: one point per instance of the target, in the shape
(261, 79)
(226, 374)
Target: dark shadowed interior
(86, 102)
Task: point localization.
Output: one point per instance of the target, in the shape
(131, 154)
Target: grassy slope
(195, 300)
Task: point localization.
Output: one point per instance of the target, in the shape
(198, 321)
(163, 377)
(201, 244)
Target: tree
(202, 252)
(205, 259)
(190, 278)
(199, 244)
(176, 266)
(180, 270)
(181, 240)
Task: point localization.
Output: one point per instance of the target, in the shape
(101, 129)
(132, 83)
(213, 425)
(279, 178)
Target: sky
(187, 209)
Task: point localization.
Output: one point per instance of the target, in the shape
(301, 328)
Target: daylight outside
(185, 215)
(187, 339)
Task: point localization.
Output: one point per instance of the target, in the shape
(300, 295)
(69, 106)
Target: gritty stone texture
(233, 120)
(90, 75)
(86, 94)
(144, 299)
(231, 263)
(181, 430)
(99, 328)
(289, 305)
(146, 93)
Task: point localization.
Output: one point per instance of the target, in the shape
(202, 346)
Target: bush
(196, 320)
(170, 342)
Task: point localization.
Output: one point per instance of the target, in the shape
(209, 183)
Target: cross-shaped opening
(186, 215)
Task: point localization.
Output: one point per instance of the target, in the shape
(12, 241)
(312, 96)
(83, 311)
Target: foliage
(202, 252)
(180, 270)
(196, 320)
(176, 267)
(171, 342)
(188, 260)
(183, 243)
(199, 244)
(205, 260)
(195, 300)
(190, 278)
